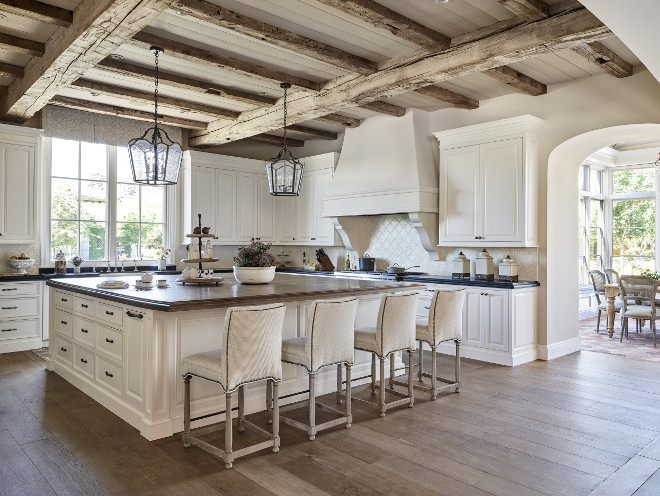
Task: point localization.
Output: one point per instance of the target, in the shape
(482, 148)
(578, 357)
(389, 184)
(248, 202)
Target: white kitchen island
(124, 347)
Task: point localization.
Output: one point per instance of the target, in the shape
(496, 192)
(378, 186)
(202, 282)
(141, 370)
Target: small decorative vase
(76, 269)
(254, 275)
(162, 264)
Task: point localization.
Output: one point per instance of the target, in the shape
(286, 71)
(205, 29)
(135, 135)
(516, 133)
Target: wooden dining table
(611, 292)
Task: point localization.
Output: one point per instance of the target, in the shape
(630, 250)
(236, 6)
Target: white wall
(569, 109)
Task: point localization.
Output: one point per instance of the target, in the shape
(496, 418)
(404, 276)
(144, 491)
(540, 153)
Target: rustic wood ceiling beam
(238, 23)
(399, 25)
(605, 58)
(140, 115)
(312, 133)
(384, 108)
(520, 43)
(9, 70)
(206, 57)
(143, 97)
(38, 11)
(529, 10)
(182, 82)
(448, 96)
(271, 139)
(21, 45)
(517, 80)
(98, 28)
(339, 119)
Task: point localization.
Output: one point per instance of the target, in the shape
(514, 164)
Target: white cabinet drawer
(63, 350)
(19, 288)
(83, 361)
(63, 322)
(84, 306)
(109, 341)
(19, 307)
(85, 331)
(109, 375)
(63, 300)
(110, 313)
(19, 329)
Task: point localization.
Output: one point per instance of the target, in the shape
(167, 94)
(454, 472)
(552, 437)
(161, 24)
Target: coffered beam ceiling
(605, 58)
(98, 28)
(520, 43)
(38, 11)
(517, 80)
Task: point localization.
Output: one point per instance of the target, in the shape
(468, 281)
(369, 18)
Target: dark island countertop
(177, 297)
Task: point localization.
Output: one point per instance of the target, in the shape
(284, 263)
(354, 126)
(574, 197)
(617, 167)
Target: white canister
(209, 249)
(484, 267)
(460, 267)
(187, 273)
(193, 251)
(508, 270)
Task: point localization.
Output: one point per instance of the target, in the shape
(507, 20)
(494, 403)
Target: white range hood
(387, 166)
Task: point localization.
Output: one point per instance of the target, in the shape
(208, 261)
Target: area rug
(42, 353)
(636, 345)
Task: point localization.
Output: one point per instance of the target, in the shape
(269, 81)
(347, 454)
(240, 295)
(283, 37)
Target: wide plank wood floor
(583, 424)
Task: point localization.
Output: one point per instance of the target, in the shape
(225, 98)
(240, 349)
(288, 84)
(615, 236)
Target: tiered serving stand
(199, 261)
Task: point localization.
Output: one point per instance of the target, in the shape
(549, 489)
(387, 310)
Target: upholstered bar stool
(445, 323)
(394, 331)
(252, 351)
(328, 341)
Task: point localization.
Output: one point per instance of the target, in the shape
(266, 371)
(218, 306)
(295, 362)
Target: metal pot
(367, 263)
(395, 269)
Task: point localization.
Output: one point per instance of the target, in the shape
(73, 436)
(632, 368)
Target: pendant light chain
(285, 88)
(156, 92)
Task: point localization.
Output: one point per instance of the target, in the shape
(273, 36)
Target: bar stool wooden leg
(276, 416)
(186, 411)
(382, 387)
(458, 366)
(312, 408)
(420, 371)
(269, 400)
(373, 373)
(228, 429)
(434, 374)
(410, 380)
(349, 415)
(339, 379)
(241, 409)
(392, 370)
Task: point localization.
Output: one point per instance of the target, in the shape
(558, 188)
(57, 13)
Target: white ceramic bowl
(254, 275)
(21, 264)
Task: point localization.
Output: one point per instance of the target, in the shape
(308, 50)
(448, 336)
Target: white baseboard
(556, 350)
(11, 346)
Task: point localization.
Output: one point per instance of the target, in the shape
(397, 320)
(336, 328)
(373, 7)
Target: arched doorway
(562, 231)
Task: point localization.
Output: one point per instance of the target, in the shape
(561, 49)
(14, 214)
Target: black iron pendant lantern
(284, 171)
(155, 158)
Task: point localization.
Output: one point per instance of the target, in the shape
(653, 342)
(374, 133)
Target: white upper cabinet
(18, 184)
(488, 184)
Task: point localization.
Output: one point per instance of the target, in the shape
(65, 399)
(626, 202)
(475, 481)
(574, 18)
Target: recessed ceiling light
(441, 1)
(116, 56)
(263, 93)
(185, 111)
(94, 94)
(181, 12)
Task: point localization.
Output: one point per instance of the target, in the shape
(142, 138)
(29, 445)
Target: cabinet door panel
(135, 356)
(224, 226)
(203, 196)
(267, 214)
(247, 206)
(325, 234)
(17, 192)
(501, 165)
(288, 208)
(497, 322)
(307, 207)
(472, 324)
(459, 195)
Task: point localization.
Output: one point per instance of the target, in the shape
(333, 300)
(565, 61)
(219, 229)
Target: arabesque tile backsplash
(9, 250)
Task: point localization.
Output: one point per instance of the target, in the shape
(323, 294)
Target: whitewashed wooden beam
(448, 96)
(384, 108)
(520, 43)
(271, 139)
(517, 80)
(529, 10)
(605, 58)
(288, 40)
(339, 119)
(312, 133)
(98, 28)
(39, 11)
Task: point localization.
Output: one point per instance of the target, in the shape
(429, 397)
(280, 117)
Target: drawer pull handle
(10, 289)
(107, 340)
(134, 315)
(83, 360)
(108, 374)
(428, 308)
(64, 299)
(63, 322)
(109, 313)
(8, 330)
(84, 330)
(84, 306)
(64, 349)
(9, 308)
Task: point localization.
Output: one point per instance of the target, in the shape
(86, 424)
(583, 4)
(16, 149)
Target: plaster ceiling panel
(479, 86)
(554, 67)
(541, 71)
(580, 63)
(617, 46)
(24, 27)
(416, 100)
(191, 31)
(320, 22)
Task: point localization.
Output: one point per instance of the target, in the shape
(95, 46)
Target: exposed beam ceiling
(201, 56)
(554, 33)
(517, 80)
(380, 16)
(605, 58)
(38, 11)
(232, 21)
(529, 10)
(102, 108)
(448, 96)
(21, 45)
(99, 27)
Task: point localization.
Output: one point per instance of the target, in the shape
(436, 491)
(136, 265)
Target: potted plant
(76, 260)
(253, 263)
(162, 253)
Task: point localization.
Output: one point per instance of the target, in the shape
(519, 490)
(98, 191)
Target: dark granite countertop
(435, 279)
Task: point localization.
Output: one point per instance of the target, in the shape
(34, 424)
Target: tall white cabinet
(488, 184)
(19, 151)
(232, 195)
